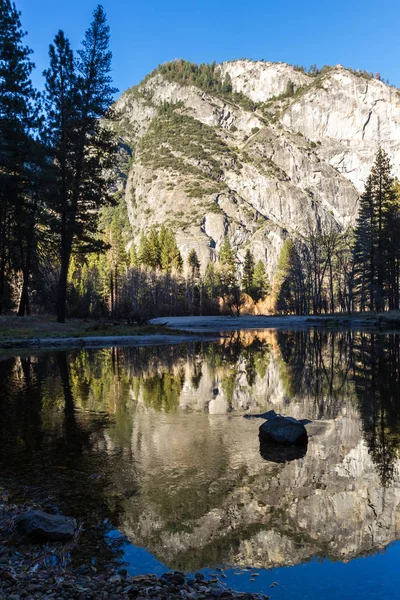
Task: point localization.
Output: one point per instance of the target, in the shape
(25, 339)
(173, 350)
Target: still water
(150, 450)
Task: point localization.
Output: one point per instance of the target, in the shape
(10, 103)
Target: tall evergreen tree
(154, 249)
(171, 259)
(194, 265)
(392, 249)
(248, 272)
(289, 282)
(78, 94)
(373, 253)
(133, 257)
(211, 281)
(261, 286)
(144, 251)
(227, 267)
(17, 119)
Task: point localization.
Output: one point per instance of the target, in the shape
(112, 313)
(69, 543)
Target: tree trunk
(62, 287)
(24, 304)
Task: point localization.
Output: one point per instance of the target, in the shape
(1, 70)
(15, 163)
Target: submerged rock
(46, 527)
(283, 430)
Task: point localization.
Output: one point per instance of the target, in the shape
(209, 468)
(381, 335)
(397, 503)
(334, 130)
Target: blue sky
(357, 33)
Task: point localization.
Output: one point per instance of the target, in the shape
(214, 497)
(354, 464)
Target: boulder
(283, 430)
(46, 527)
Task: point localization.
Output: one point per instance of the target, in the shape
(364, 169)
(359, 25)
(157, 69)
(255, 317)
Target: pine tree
(133, 256)
(227, 270)
(171, 259)
(248, 273)
(261, 286)
(194, 265)
(113, 225)
(284, 299)
(154, 249)
(193, 291)
(144, 256)
(229, 288)
(392, 249)
(374, 259)
(211, 281)
(384, 193)
(78, 95)
(365, 249)
(17, 119)
(289, 281)
(176, 259)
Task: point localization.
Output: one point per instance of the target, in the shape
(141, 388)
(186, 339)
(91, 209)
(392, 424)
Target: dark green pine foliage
(248, 273)
(364, 249)
(376, 251)
(227, 267)
(291, 294)
(17, 119)
(159, 250)
(154, 260)
(78, 94)
(194, 265)
(207, 77)
(392, 247)
(171, 259)
(261, 286)
(144, 256)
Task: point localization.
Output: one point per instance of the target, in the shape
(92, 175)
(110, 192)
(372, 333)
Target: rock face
(280, 153)
(283, 430)
(46, 527)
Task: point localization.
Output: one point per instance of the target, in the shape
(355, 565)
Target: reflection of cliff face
(181, 464)
(205, 494)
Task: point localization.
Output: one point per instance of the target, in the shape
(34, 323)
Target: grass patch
(31, 328)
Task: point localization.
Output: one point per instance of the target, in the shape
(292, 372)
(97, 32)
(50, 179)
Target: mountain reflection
(152, 441)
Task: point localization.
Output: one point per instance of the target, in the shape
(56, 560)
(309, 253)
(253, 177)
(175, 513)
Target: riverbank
(45, 326)
(43, 332)
(387, 322)
(42, 571)
(114, 586)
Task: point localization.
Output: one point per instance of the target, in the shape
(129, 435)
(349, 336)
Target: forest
(66, 246)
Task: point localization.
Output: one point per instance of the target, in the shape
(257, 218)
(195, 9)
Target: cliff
(254, 150)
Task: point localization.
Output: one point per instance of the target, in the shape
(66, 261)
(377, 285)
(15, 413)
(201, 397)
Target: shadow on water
(54, 456)
(151, 441)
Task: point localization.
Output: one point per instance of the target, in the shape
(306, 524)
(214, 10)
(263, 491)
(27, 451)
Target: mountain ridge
(253, 150)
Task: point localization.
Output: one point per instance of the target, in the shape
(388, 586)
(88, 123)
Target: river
(149, 449)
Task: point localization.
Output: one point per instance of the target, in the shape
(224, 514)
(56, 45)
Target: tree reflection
(377, 382)
(53, 455)
(329, 366)
(317, 364)
(101, 435)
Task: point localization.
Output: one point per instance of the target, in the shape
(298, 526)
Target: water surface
(153, 443)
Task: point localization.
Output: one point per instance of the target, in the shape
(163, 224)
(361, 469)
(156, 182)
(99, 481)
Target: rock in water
(46, 527)
(283, 430)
